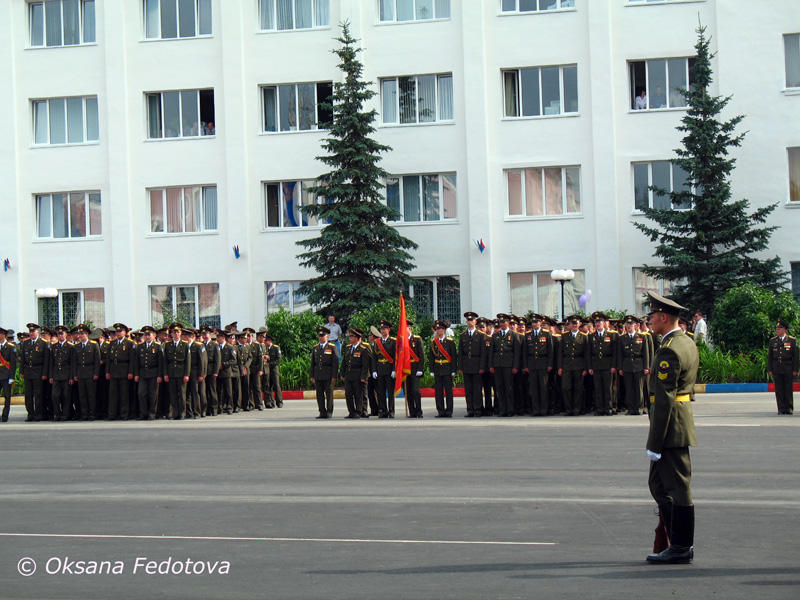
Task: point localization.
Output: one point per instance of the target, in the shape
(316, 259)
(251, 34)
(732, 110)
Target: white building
(512, 122)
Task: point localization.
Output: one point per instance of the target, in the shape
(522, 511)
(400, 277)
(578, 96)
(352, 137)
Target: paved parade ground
(280, 505)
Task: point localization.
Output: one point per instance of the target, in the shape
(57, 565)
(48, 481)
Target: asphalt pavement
(276, 505)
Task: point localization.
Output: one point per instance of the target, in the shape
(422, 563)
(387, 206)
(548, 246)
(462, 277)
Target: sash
(442, 350)
(383, 351)
(414, 357)
(4, 362)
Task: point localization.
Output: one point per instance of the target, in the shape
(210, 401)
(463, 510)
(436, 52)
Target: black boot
(661, 541)
(681, 538)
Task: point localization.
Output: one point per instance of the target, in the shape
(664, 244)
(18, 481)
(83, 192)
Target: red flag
(402, 357)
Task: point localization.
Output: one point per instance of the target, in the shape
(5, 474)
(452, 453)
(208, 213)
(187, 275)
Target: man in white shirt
(700, 328)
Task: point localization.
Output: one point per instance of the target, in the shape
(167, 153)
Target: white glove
(10, 381)
(374, 374)
(392, 374)
(654, 456)
(452, 374)
(432, 375)
(419, 374)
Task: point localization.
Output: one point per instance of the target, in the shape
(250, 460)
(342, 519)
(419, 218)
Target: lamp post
(562, 276)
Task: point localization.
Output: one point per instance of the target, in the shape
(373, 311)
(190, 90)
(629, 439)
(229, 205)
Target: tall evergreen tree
(713, 243)
(360, 258)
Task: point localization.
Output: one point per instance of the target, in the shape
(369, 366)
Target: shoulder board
(276, 346)
(93, 342)
(199, 343)
(449, 338)
(10, 344)
(791, 338)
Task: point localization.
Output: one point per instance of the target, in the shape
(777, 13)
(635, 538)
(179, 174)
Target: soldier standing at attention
(472, 364)
(212, 372)
(34, 366)
(573, 364)
(633, 363)
(62, 354)
(228, 358)
(484, 325)
(417, 352)
(119, 370)
(245, 358)
(8, 370)
(504, 363)
(672, 430)
(177, 369)
(195, 388)
(272, 356)
(383, 370)
(148, 371)
(354, 369)
(324, 369)
(602, 362)
(537, 361)
(443, 360)
(256, 368)
(782, 365)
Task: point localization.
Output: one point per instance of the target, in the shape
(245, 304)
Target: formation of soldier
(147, 374)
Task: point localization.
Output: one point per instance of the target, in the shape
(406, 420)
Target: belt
(442, 362)
(678, 398)
(382, 360)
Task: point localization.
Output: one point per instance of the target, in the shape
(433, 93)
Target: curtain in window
(154, 115)
(430, 197)
(72, 22)
(41, 124)
(411, 198)
(290, 216)
(510, 93)
(272, 208)
(37, 24)
(77, 214)
(208, 304)
(94, 307)
(389, 92)
(267, 14)
(60, 216)
(270, 109)
(387, 10)
(89, 27)
(174, 210)
(573, 181)
(58, 120)
(191, 208)
(427, 98)
(204, 17)
(548, 299)
(514, 192)
(44, 214)
(151, 19)
(210, 208)
(52, 11)
(534, 194)
(393, 194)
(792, 48)
(304, 14)
(794, 174)
(157, 211)
(408, 100)
(449, 204)
(446, 98)
(74, 120)
(285, 17)
(308, 199)
(160, 302)
(95, 215)
(323, 13)
(521, 285)
(92, 120)
(442, 9)
(288, 107)
(553, 194)
(307, 106)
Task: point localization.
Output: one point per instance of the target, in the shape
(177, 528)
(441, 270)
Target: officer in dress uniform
(537, 361)
(236, 371)
(652, 346)
(324, 370)
(443, 360)
(603, 345)
(245, 358)
(195, 387)
(212, 372)
(411, 385)
(34, 369)
(148, 372)
(372, 385)
(356, 362)
(119, 369)
(272, 357)
(782, 365)
(177, 369)
(472, 359)
(228, 359)
(256, 368)
(672, 430)
(8, 370)
(505, 361)
(484, 325)
(633, 363)
(383, 370)
(61, 373)
(573, 364)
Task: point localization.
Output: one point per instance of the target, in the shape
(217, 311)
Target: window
(437, 298)
(192, 305)
(544, 192)
(62, 23)
(286, 295)
(646, 283)
(191, 209)
(282, 202)
(186, 113)
(535, 5)
(282, 15)
(661, 1)
(65, 121)
(413, 10)
(655, 83)
(794, 174)
(422, 197)
(661, 174)
(540, 91)
(792, 46)
(171, 19)
(73, 307)
(538, 292)
(296, 107)
(421, 99)
(68, 215)
(795, 270)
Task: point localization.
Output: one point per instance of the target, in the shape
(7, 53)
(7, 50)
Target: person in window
(641, 100)
(676, 99)
(659, 100)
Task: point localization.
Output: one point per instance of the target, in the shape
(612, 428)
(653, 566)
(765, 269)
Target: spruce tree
(361, 259)
(713, 244)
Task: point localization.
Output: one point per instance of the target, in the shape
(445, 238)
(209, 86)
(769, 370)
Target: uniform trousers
(148, 393)
(5, 387)
(537, 383)
(177, 396)
(504, 383)
(225, 392)
(33, 396)
(60, 398)
(472, 392)
(87, 390)
(255, 389)
(118, 389)
(633, 390)
(354, 392)
(237, 393)
(194, 399)
(487, 383)
(671, 477)
(372, 393)
(783, 392)
(385, 384)
(602, 391)
(212, 406)
(275, 385)
(245, 402)
(324, 388)
(443, 387)
(572, 384)
(413, 396)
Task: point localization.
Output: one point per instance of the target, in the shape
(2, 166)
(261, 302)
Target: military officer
(212, 372)
(505, 360)
(603, 345)
(383, 370)
(245, 358)
(34, 369)
(256, 368)
(484, 325)
(148, 371)
(196, 387)
(272, 357)
(416, 350)
(573, 365)
(324, 370)
(62, 355)
(177, 369)
(119, 369)
(633, 363)
(672, 430)
(472, 358)
(354, 369)
(537, 361)
(8, 370)
(229, 358)
(443, 361)
(236, 370)
(782, 365)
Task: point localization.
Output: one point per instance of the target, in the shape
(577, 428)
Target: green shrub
(295, 334)
(294, 372)
(720, 366)
(18, 387)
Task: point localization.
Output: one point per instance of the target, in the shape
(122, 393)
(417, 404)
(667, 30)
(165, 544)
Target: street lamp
(562, 276)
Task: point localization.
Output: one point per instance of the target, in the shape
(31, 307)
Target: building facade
(159, 150)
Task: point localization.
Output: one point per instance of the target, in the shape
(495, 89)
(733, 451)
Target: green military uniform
(34, 362)
(413, 395)
(148, 369)
(272, 360)
(634, 357)
(356, 362)
(324, 369)
(538, 359)
(62, 356)
(573, 362)
(505, 359)
(229, 360)
(212, 373)
(195, 387)
(8, 370)
(782, 364)
(383, 370)
(119, 369)
(443, 361)
(603, 346)
(178, 368)
(472, 359)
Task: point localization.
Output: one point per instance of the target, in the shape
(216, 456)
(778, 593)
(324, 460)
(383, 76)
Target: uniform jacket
(87, 360)
(256, 357)
(177, 359)
(9, 353)
(199, 359)
(782, 358)
(61, 361)
(120, 359)
(438, 362)
(149, 362)
(537, 350)
(574, 355)
(472, 352)
(356, 362)
(416, 345)
(671, 381)
(35, 359)
(603, 350)
(245, 358)
(229, 361)
(634, 353)
(212, 352)
(380, 364)
(506, 350)
(324, 362)
(104, 348)
(274, 354)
